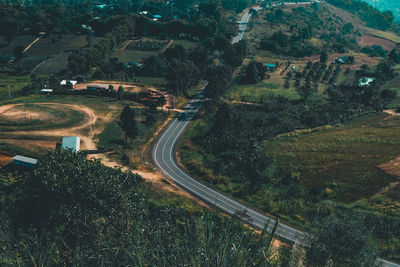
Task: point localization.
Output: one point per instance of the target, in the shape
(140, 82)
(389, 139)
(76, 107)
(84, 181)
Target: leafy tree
(68, 193)
(182, 76)
(254, 72)
(128, 122)
(18, 52)
(120, 94)
(323, 57)
(219, 81)
(343, 240)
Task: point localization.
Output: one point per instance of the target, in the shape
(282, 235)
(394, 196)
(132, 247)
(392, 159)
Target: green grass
(186, 44)
(52, 65)
(129, 55)
(343, 160)
(152, 81)
(112, 136)
(10, 85)
(261, 92)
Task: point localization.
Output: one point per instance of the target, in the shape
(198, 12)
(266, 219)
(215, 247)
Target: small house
(46, 91)
(341, 61)
(24, 161)
(270, 67)
(65, 83)
(133, 64)
(86, 28)
(71, 142)
(101, 6)
(366, 81)
(6, 58)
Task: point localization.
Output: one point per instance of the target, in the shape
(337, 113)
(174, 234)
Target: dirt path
(168, 45)
(30, 45)
(392, 112)
(128, 42)
(87, 142)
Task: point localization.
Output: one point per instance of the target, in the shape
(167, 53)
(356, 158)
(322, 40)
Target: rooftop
(72, 142)
(25, 159)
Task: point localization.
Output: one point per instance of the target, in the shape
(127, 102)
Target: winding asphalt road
(164, 157)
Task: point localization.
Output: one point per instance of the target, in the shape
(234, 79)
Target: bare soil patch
(128, 87)
(370, 40)
(5, 159)
(20, 112)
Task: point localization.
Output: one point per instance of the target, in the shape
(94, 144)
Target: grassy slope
(343, 159)
(11, 84)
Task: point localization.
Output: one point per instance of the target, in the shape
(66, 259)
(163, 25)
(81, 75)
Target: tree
(254, 73)
(18, 52)
(343, 240)
(128, 122)
(182, 76)
(219, 81)
(323, 57)
(68, 193)
(120, 94)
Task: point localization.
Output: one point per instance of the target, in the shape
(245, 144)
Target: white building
(366, 81)
(71, 142)
(65, 82)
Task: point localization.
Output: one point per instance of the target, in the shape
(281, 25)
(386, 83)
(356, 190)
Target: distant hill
(384, 5)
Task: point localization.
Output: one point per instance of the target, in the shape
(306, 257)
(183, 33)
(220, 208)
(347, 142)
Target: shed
(65, 82)
(366, 81)
(270, 67)
(71, 142)
(341, 60)
(46, 91)
(24, 161)
(133, 64)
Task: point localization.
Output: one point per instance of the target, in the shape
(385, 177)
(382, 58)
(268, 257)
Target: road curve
(164, 157)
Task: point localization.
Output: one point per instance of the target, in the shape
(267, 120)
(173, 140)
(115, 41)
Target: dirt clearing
(369, 40)
(128, 87)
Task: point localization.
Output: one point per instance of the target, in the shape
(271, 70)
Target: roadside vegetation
(234, 146)
(302, 140)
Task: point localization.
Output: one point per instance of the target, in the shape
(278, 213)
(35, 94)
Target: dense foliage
(74, 211)
(371, 15)
(294, 31)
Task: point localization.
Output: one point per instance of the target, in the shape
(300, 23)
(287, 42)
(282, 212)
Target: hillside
(384, 5)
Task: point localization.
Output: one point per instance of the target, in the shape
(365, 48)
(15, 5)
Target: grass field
(11, 85)
(150, 81)
(391, 36)
(52, 65)
(343, 160)
(186, 44)
(261, 92)
(129, 55)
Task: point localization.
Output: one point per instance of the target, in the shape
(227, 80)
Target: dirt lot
(5, 159)
(128, 87)
(369, 40)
